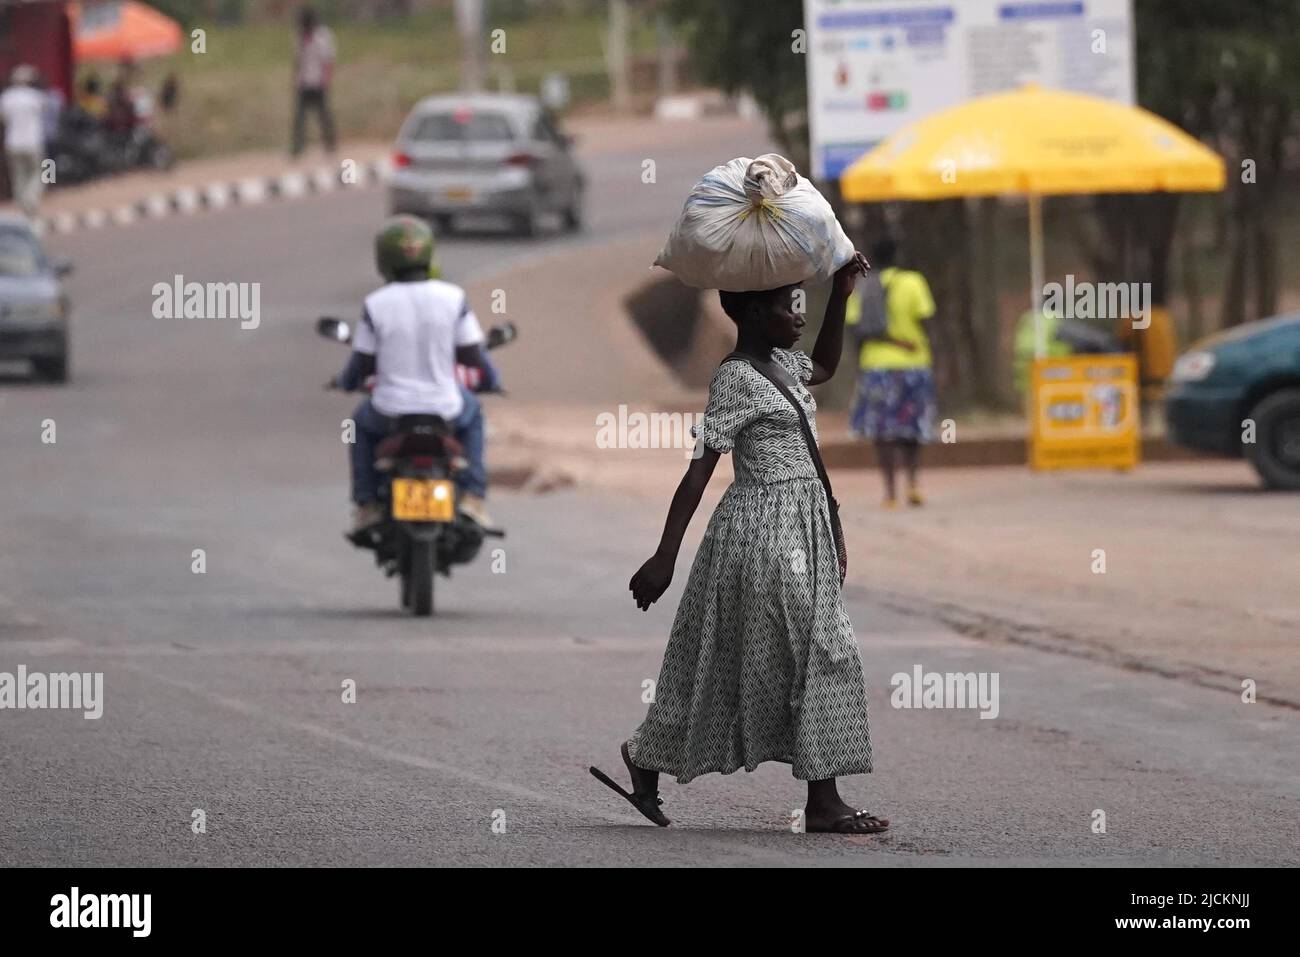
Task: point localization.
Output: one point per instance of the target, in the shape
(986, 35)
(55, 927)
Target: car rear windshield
(19, 255)
(462, 126)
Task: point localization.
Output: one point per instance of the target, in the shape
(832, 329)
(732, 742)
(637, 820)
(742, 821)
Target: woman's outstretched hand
(847, 275)
(651, 580)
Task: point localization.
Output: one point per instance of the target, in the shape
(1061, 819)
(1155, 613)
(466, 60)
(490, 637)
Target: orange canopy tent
(124, 30)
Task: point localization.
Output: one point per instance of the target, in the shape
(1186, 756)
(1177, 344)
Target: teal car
(1238, 393)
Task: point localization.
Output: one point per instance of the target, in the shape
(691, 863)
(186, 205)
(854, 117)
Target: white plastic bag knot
(768, 177)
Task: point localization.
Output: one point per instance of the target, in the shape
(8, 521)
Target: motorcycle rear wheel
(419, 591)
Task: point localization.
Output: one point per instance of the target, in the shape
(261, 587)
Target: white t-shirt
(412, 329)
(23, 110)
(315, 54)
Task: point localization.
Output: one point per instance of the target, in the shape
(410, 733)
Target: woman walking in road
(762, 663)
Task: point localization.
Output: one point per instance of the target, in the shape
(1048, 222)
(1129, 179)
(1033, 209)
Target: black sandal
(859, 822)
(647, 802)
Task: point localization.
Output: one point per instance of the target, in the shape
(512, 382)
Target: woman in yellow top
(894, 405)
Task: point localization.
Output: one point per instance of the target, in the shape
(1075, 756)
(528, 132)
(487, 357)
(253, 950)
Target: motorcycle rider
(414, 330)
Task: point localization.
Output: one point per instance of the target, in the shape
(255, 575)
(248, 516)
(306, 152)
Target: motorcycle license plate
(423, 500)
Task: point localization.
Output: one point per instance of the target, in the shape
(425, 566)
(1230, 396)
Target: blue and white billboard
(874, 66)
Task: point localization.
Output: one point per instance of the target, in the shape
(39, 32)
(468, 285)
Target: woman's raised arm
(829, 347)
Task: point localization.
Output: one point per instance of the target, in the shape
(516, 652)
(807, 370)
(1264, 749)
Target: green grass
(238, 94)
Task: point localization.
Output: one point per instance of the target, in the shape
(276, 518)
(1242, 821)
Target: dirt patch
(681, 326)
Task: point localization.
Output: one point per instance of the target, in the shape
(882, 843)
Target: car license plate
(423, 500)
(459, 194)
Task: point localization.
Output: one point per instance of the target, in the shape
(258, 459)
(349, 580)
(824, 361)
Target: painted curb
(222, 194)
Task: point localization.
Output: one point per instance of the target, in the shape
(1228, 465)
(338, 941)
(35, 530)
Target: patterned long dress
(762, 663)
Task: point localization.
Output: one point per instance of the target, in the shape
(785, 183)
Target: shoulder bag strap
(832, 506)
(813, 451)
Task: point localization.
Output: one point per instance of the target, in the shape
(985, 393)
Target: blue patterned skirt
(894, 404)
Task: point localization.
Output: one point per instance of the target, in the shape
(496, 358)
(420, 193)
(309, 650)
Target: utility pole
(667, 50)
(469, 24)
(616, 56)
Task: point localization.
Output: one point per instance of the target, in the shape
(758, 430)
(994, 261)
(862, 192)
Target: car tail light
(401, 159)
(520, 159)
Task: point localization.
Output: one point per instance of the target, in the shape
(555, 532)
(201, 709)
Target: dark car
(1238, 393)
(33, 306)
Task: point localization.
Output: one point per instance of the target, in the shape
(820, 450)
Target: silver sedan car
(485, 153)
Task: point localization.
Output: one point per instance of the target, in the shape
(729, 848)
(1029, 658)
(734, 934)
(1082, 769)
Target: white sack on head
(754, 224)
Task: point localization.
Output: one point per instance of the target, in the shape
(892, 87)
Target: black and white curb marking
(247, 191)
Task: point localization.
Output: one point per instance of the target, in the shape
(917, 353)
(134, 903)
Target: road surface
(223, 690)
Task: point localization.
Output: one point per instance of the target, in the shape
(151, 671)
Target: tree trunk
(1192, 287)
(1232, 312)
(1157, 215)
(1265, 262)
(1269, 174)
(927, 245)
(984, 326)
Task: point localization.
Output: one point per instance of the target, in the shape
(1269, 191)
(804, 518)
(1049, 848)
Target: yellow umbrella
(1040, 143)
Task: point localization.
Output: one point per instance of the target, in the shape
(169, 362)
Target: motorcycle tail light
(423, 461)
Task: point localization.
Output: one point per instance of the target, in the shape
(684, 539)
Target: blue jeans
(373, 427)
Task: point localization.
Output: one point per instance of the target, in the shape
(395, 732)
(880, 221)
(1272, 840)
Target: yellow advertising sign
(1084, 412)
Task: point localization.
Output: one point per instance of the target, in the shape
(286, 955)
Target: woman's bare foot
(841, 818)
(826, 812)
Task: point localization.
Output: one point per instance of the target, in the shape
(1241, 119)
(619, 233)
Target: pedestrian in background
(169, 93)
(120, 118)
(23, 109)
(894, 405)
(54, 104)
(91, 98)
(313, 70)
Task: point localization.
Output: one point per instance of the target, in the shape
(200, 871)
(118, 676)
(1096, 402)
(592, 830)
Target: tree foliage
(1230, 75)
(738, 45)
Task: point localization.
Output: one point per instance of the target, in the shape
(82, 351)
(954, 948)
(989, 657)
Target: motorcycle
(422, 533)
(84, 149)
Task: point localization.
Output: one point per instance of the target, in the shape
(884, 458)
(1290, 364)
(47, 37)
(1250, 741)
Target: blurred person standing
(91, 98)
(23, 108)
(169, 93)
(894, 404)
(1061, 337)
(120, 116)
(54, 103)
(313, 70)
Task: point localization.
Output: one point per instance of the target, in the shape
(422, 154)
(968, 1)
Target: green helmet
(402, 243)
